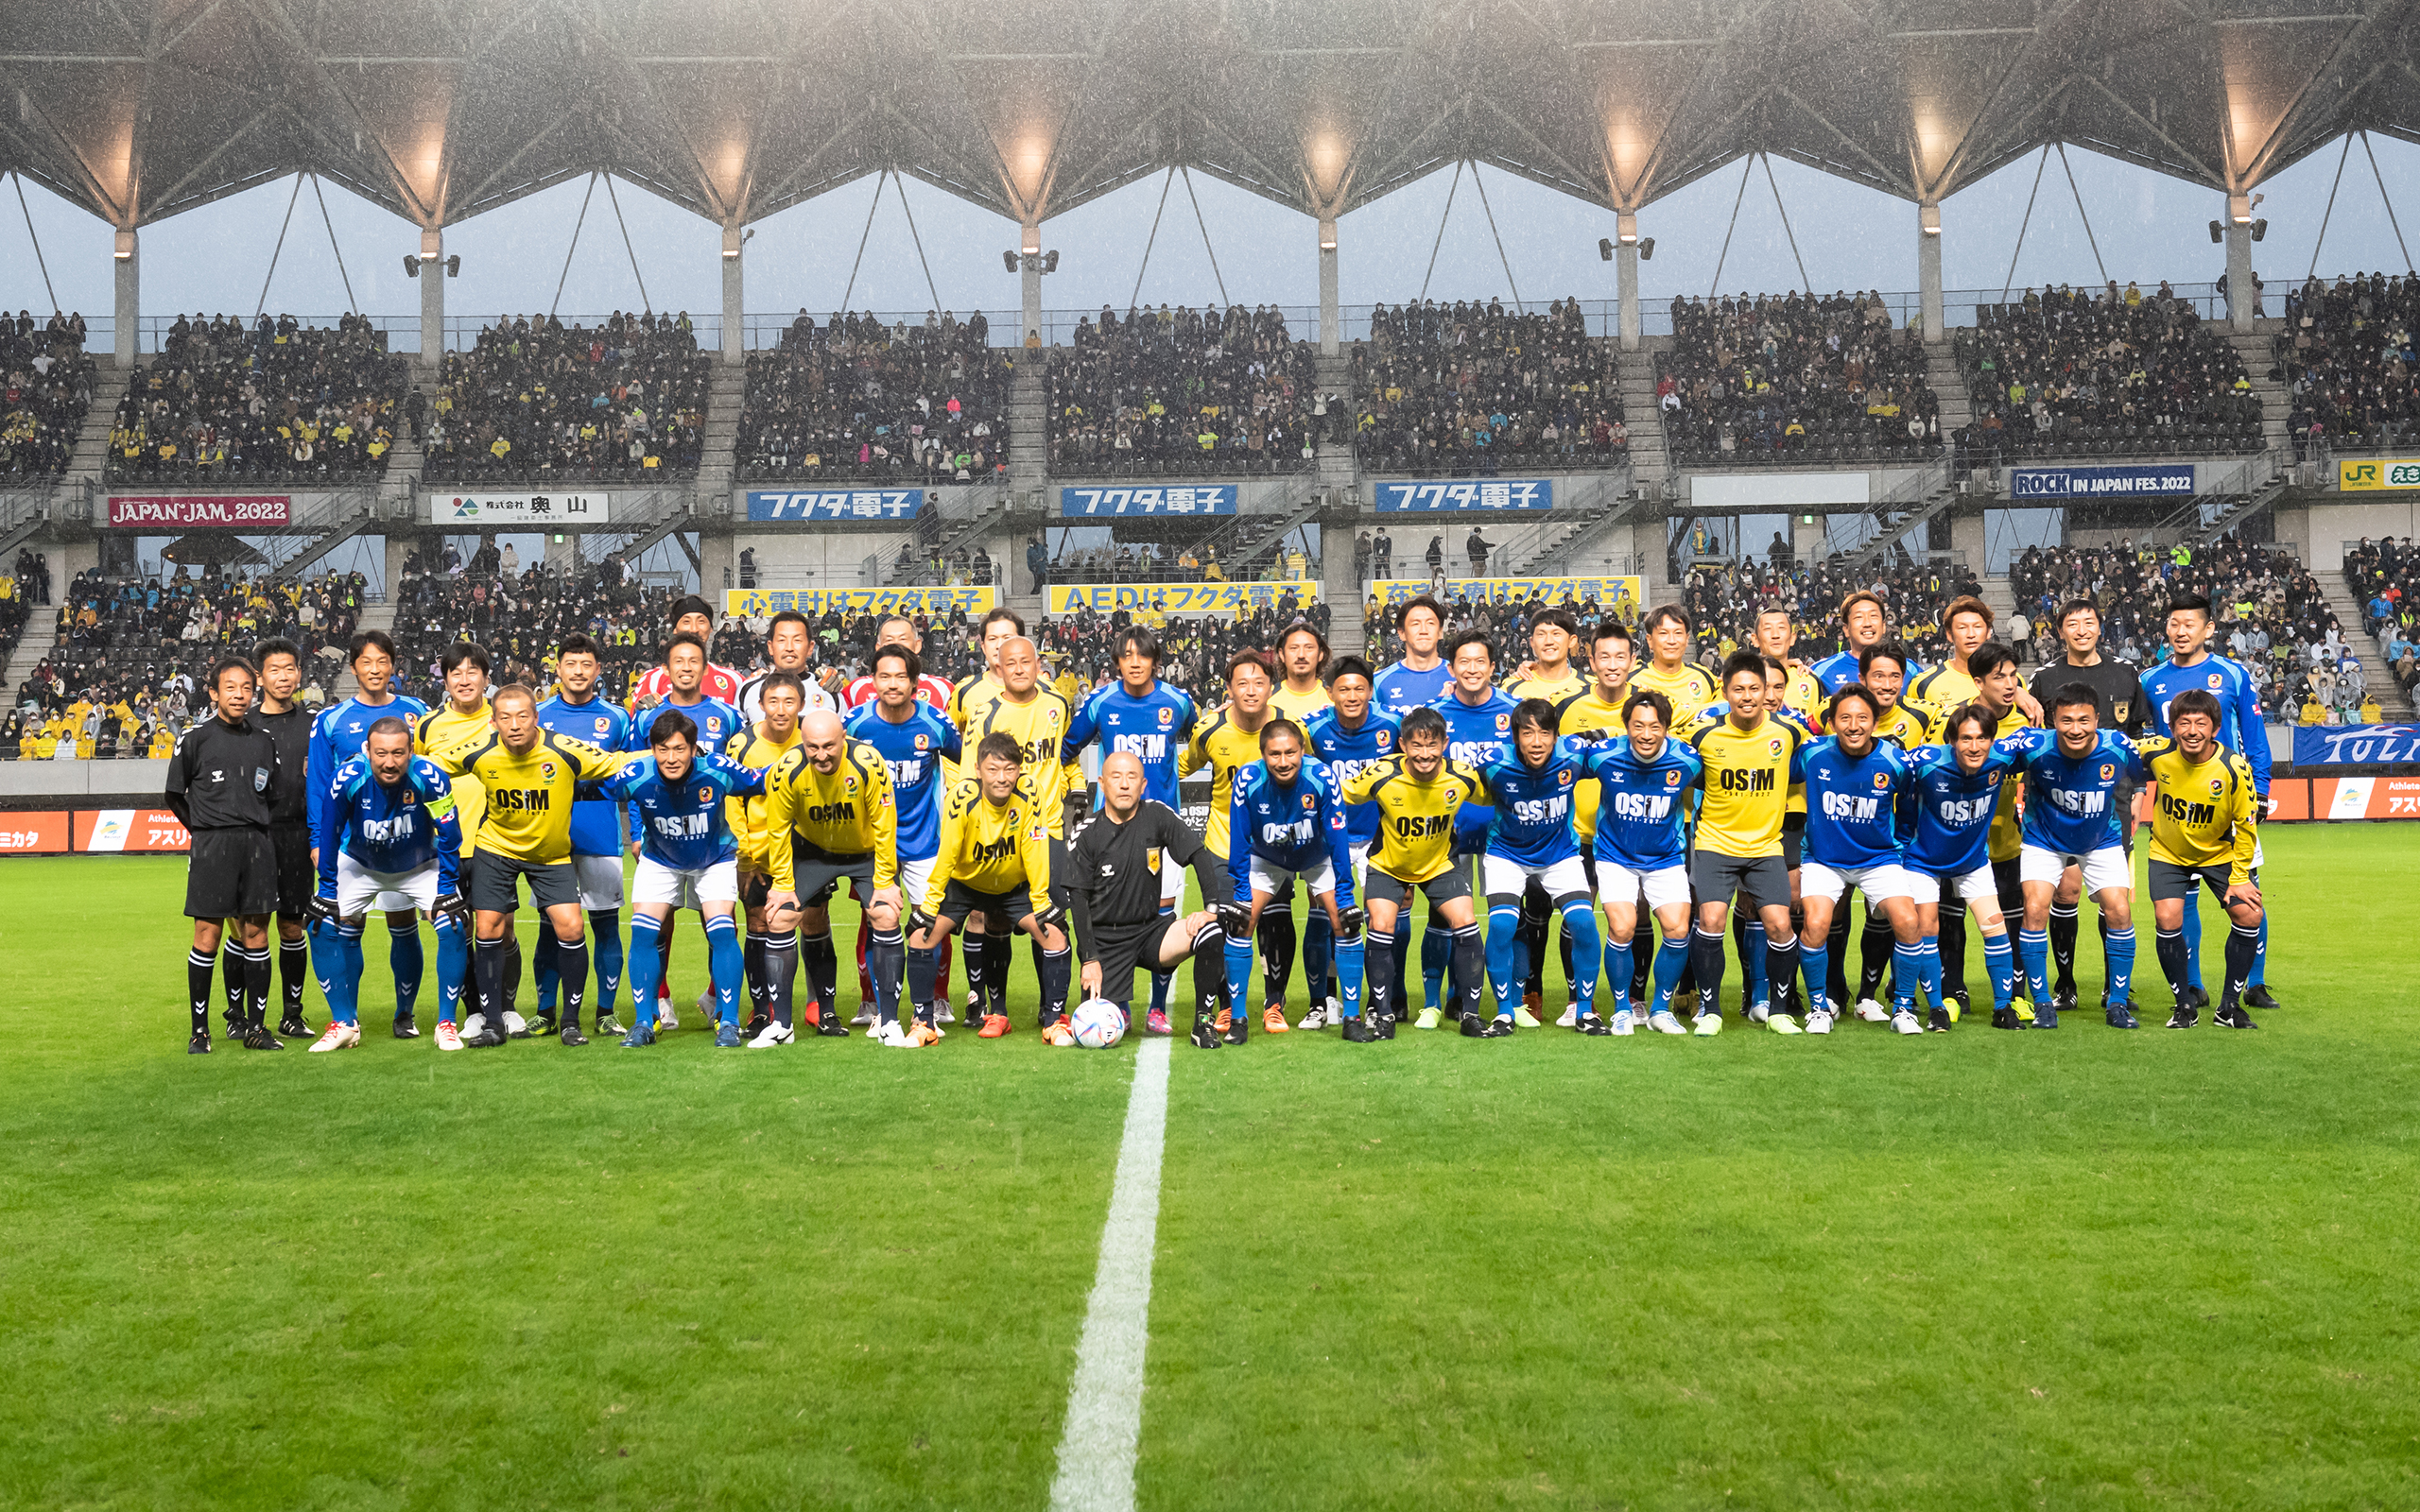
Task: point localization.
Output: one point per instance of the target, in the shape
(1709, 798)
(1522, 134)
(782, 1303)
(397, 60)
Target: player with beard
(337, 737)
(579, 709)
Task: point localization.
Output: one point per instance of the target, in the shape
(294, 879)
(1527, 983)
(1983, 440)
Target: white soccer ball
(1097, 1025)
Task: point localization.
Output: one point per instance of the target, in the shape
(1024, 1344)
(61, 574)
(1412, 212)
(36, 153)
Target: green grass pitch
(1981, 1270)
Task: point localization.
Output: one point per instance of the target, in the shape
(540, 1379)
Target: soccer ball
(1097, 1025)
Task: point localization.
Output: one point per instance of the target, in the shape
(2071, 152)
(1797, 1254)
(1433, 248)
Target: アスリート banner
(2378, 473)
(2356, 745)
(1466, 493)
(2101, 482)
(108, 831)
(759, 602)
(875, 504)
(181, 511)
(490, 511)
(1616, 593)
(1108, 503)
(1183, 598)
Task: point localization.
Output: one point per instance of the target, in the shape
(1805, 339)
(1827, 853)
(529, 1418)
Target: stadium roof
(443, 109)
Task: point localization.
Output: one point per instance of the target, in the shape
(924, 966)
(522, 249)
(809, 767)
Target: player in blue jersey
(684, 669)
(1530, 839)
(1285, 823)
(1419, 680)
(1347, 736)
(689, 858)
(1151, 721)
(337, 737)
(2073, 773)
(580, 711)
(1864, 623)
(2192, 663)
(1644, 780)
(1852, 840)
(1479, 729)
(388, 839)
(1954, 789)
(914, 739)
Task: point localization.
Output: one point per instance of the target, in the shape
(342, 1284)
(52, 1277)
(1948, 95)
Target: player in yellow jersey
(1418, 793)
(780, 697)
(968, 700)
(1776, 636)
(2205, 821)
(1966, 623)
(1738, 844)
(528, 774)
(1226, 741)
(994, 866)
(461, 719)
(1302, 651)
(1037, 719)
(829, 817)
(1667, 668)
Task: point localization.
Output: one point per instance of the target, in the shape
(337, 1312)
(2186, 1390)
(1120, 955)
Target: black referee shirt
(227, 777)
(1115, 885)
(291, 731)
(2113, 682)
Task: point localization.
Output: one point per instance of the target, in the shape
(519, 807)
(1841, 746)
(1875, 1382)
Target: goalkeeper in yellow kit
(995, 861)
(2204, 831)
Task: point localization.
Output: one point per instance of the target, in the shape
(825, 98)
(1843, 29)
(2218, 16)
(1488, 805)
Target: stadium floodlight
(1604, 249)
(1050, 261)
(1646, 250)
(454, 266)
(2259, 230)
(411, 265)
(2217, 233)
(1008, 261)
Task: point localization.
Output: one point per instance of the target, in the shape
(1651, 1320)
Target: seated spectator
(856, 400)
(280, 403)
(1791, 377)
(1182, 391)
(539, 404)
(1469, 388)
(2063, 373)
(2348, 359)
(45, 387)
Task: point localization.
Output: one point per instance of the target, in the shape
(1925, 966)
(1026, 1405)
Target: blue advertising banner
(1178, 499)
(2356, 745)
(835, 504)
(1467, 494)
(2101, 482)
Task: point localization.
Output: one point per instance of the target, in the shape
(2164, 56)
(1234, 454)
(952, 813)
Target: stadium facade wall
(2330, 525)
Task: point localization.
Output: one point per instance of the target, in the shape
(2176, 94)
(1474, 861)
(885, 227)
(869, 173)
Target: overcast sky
(2148, 227)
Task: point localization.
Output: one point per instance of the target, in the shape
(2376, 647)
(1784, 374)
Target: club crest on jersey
(1564, 779)
(923, 742)
(705, 795)
(1881, 781)
(2215, 682)
(1775, 746)
(848, 785)
(2108, 770)
(1309, 803)
(1671, 779)
(1503, 722)
(2217, 787)
(546, 771)
(2118, 708)
(601, 723)
(1168, 716)
(1384, 740)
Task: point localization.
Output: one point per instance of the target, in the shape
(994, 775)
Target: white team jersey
(751, 703)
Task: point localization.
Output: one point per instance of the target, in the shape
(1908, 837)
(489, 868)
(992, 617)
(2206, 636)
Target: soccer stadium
(1180, 563)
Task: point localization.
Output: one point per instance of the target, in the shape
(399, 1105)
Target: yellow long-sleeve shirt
(846, 813)
(993, 847)
(528, 793)
(752, 748)
(2206, 812)
(444, 728)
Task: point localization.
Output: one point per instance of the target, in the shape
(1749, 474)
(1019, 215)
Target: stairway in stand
(718, 459)
(1650, 455)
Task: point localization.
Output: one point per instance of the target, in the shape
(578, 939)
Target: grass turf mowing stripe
(1105, 1404)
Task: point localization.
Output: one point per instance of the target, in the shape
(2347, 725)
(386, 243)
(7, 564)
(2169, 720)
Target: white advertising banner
(1776, 490)
(488, 511)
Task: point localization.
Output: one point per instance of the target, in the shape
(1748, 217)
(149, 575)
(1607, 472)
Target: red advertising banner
(33, 835)
(183, 511)
(2365, 797)
(130, 830)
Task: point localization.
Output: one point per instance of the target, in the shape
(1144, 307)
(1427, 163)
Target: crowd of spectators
(2384, 576)
(1471, 389)
(1184, 391)
(1196, 647)
(278, 402)
(2065, 372)
(2346, 355)
(45, 387)
(856, 400)
(1792, 377)
(521, 614)
(539, 403)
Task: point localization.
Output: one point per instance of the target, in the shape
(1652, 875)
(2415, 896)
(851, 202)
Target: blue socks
(453, 969)
(1507, 965)
(1436, 957)
(645, 965)
(1752, 961)
(1619, 965)
(1928, 971)
(1815, 965)
(2033, 953)
(403, 958)
(1318, 948)
(1587, 954)
(2260, 954)
(1238, 973)
(1997, 959)
(724, 960)
(1672, 964)
(2192, 944)
(1351, 961)
(1907, 971)
(2120, 947)
(338, 960)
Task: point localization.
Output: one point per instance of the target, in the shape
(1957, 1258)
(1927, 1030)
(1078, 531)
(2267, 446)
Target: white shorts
(1888, 880)
(1502, 874)
(600, 882)
(659, 883)
(1979, 885)
(1663, 887)
(360, 889)
(1269, 877)
(1171, 877)
(914, 877)
(1361, 868)
(2104, 869)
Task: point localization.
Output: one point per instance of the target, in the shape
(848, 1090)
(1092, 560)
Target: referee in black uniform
(2118, 689)
(1115, 897)
(224, 785)
(290, 830)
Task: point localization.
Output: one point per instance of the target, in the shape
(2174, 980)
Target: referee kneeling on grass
(1117, 897)
(224, 784)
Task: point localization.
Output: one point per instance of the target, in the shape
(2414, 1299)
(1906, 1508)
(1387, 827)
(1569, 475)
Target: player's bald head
(1122, 783)
(819, 728)
(1121, 760)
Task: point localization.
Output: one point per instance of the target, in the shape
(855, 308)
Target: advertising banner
(835, 504)
(2365, 797)
(1183, 598)
(506, 511)
(111, 830)
(33, 835)
(1155, 499)
(180, 511)
(1621, 594)
(1466, 493)
(2378, 473)
(2356, 745)
(2101, 482)
(1777, 490)
(759, 602)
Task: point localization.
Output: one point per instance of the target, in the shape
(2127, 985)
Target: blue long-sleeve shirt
(1152, 728)
(2071, 801)
(337, 737)
(682, 825)
(2240, 725)
(595, 829)
(1292, 825)
(1852, 803)
(391, 827)
(1534, 806)
(1347, 751)
(1951, 820)
(1642, 806)
(717, 722)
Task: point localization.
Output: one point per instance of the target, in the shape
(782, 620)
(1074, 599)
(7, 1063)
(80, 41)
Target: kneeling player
(689, 858)
(1957, 790)
(1286, 824)
(1643, 850)
(2204, 831)
(1853, 784)
(832, 817)
(1116, 895)
(1418, 793)
(994, 860)
(392, 845)
(1529, 843)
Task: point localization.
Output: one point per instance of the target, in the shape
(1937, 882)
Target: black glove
(322, 910)
(1349, 922)
(1051, 918)
(1589, 736)
(453, 907)
(1235, 919)
(918, 920)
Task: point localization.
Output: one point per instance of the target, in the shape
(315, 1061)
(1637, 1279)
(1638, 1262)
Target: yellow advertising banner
(1183, 598)
(2378, 473)
(1620, 594)
(757, 603)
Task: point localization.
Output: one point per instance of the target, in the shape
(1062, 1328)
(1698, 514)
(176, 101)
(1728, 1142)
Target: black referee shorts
(495, 883)
(1121, 949)
(297, 879)
(231, 874)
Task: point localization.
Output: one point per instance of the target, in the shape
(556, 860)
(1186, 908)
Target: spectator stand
(2348, 358)
(1794, 378)
(1472, 390)
(2381, 586)
(539, 404)
(47, 381)
(856, 399)
(1182, 393)
(228, 404)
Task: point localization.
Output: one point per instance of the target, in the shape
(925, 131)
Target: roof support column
(432, 297)
(2243, 294)
(1626, 276)
(1331, 312)
(1029, 273)
(129, 299)
(735, 336)
(1928, 268)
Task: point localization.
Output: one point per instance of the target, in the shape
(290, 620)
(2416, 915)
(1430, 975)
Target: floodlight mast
(432, 295)
(1626, 275)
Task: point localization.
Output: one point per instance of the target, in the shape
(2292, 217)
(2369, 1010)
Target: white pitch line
(1105, 1402)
